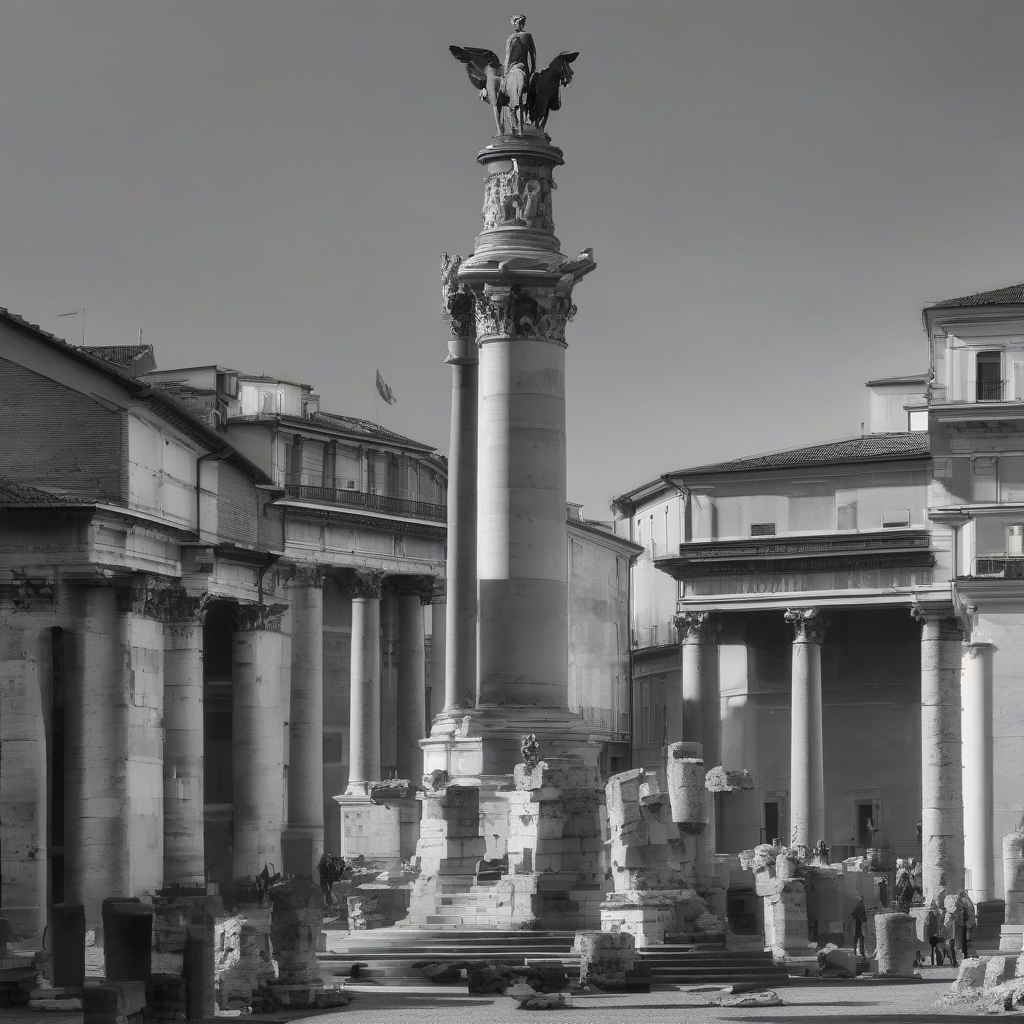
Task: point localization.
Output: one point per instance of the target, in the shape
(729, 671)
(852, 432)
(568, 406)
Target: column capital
(976, 648)
(366, 583)
(942, 620)
(264, 618)
(808, 625)
(697, 627)
(156, 599)
(305, 576)
(514, 311)
(415, 586)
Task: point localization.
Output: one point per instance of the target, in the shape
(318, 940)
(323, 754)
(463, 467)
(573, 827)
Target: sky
(773, 190)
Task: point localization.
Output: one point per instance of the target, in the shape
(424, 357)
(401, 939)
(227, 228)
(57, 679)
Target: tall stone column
(184, 847)
(388, 681)
(439, 649)
(807, 780)
(695, 714)
(257, 739)
(412, 713)
(942, 811)
(978, 800)
(461, 567)
(304, 836)
(365, 587)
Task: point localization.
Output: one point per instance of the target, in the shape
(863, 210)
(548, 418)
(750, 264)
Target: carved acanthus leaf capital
(418, 586)
(263, 618)
(366, 583)
(305, 576)
(697, 627)
(157, 599)
(808, 625)
(520, 312)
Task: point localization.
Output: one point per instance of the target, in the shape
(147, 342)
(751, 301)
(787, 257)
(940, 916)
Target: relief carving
(514, 313)
(259, 617)
(518, 198)
(457, 305)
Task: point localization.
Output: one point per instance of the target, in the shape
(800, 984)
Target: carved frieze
(156, 599)
(519, 196)
(515, 312)
(808, 625)
(305, 576)
(263, 618)
(697, 627)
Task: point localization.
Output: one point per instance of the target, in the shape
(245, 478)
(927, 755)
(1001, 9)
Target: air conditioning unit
(1015, 540)
(350, 485)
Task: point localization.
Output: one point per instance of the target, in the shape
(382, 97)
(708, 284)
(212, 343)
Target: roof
(1012, 295)
(867, 448)
(139, 357)
(165, 404)
(354, 425)
(910, 378)
(12, 493)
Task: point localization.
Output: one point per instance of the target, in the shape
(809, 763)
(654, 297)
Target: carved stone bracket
(305, 576)
(945, 625)
(808, 625)
(367, 583)
(697, 627)
(266, 618)
(519, 312)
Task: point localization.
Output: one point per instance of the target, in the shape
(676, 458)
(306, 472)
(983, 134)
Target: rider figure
(519, 49)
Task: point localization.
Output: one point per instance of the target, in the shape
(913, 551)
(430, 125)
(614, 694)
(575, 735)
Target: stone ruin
(660, 854)
(987, 985)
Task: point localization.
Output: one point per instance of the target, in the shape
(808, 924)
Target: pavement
(858, 1001)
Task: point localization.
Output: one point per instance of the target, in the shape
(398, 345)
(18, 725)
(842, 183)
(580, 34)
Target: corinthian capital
(808, 625)
(263, 618)
(363, 583)
(305, 576)
(696, 627)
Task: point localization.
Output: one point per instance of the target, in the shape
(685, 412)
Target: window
(293, 464)
(762, 529)
(892, 520)
(990, 377)
(985, 478)
(846, 516)
(918, 419)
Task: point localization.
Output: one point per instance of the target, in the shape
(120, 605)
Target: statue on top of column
(516, 90)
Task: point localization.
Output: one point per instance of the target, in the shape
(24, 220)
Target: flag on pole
(385, 391)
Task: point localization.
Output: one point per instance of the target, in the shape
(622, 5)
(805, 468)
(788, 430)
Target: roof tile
(1013, 295)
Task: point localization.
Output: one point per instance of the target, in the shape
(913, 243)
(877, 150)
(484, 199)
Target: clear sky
(773, 191)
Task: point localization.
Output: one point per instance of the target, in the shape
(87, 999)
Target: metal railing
(1007, 567)
(989, 391)
(370, 502)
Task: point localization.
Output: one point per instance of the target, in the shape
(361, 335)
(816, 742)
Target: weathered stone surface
(998, 969)
(686, 787)
(243, 958)
(896, 944)
(971, 974)
(529, 999)
(297, 914)
(753, 999)
(722, 780)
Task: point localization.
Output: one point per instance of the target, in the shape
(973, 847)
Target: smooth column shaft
(411, 687)
(523, 634)
(257, 745)
(979, 841)
(364, 711)
(306, 726)
(461, 614)
(942, 821)
(701, 706)
(183, 754)
(807, 782)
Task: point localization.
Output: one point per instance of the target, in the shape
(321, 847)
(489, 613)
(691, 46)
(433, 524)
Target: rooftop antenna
(77, 312)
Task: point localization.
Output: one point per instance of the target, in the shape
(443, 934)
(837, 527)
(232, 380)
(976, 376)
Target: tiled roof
(1012, 295)
(910, 378)
(870, 447)
(354, 425)
(12, 493)
(123, 355)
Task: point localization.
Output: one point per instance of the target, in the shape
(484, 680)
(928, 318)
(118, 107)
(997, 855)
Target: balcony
(368, 502)
(989, 390)
(1002, 567)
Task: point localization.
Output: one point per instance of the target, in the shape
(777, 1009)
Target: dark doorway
(865, 821)
(771, 821)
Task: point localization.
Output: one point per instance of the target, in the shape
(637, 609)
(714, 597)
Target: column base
(383, 833)
(301, 847)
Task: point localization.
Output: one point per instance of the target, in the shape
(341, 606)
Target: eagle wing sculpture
(545, 87)
(477, 62)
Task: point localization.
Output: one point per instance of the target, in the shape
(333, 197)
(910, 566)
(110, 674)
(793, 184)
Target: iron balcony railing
(1006, 567)
(370, 502)
(989, 390)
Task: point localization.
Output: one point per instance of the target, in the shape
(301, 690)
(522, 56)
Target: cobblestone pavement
(860, 1002)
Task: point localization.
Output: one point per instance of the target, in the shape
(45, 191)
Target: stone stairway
(390, 956)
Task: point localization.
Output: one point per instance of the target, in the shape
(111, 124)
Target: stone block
(971, 974)
(895, 944)
(999, 969)
(686, 787)
(295, 928)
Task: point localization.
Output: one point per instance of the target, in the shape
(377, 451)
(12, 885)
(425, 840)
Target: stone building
(842, 619)
(185, 559)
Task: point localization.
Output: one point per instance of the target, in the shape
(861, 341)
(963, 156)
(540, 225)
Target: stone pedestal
(295, 922)
(1012, 932)
(370, 830)
(243, 956)
(895, 945)
(608, 961)
(183, 947)
(777, 881)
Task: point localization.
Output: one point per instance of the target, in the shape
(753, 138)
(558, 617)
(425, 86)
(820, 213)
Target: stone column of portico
(978, 800)
(695, 714)
(807, 780)
(439, 648)
(257, 739)
(412, 712)
(184, 848)
(304, 835)
(365, 586)
(942, 810)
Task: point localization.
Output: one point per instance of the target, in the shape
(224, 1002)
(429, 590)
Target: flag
(385, 391)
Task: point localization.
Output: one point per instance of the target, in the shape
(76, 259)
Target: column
(460, 571)
(978, 801)
(695, 711)
(257, 740)
(412, 712)
(439, 649)
(388, 682)
(184, 848)
(365, 587)
(97, 855)
(807, 781)
(942, 812)
(304, 837)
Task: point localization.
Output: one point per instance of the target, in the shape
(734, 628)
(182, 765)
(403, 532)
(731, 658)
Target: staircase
(990, 916)
(391, 956)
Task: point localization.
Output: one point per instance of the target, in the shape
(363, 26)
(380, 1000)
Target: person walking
(860, 916)
(967, 919)
(949, 923)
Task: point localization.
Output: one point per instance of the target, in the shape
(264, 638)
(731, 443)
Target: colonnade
(956, 739)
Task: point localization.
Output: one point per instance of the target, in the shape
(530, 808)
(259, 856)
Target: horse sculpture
(545, 94)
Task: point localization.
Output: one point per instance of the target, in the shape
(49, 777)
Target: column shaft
(461, 624)
(523, 633)
(388, 682)
(439, 654)
(305, 841)
(696, 716)
(978, 801)
(257, 751)
(411, 687)
(942, 812)
(364, 712)
(184, 849)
